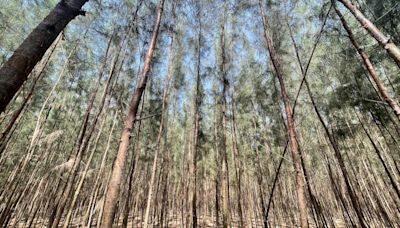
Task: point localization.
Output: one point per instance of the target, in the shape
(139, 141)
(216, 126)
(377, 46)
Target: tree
(114, 185)
(205, 141)
(226, 208)
(300, 188)
(196, 123)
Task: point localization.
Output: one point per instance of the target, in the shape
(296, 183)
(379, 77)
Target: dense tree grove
(183, 113)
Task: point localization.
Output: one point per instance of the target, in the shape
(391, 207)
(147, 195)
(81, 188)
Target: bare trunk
(196, 131)
(160, 132)
(226, 210)
(81, 145)
(300, 188)
(353, 197)
(368, 65)
(114, 185)
(383, 40)
(28, 97)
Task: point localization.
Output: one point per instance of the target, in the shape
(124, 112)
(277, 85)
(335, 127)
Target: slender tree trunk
(103, 105)
(160, 131)
(16, 69)
(127, 205)
(196, 127)
(300, 188)
(353, 197)
(218, 169)
(97, 184)
(226, 210)
(82, 143)
(371, 70)
(114, 185)
(134, 167)
(386, 42)
(378, 153)
(238, 165)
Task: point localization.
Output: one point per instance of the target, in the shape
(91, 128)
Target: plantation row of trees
(185, 113)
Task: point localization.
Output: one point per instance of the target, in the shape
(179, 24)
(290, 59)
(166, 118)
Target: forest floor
(174, 222)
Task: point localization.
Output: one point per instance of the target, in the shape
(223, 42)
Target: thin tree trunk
(300, 188)
(238, 165)
(127, 206)
(103, 104)
(368, 65)
(28, 97)
(82, 142)
(389, 174)
(386, 42)
(353, 197)
(196, 128)
(114, 185)
(226, 210)
(160, 131)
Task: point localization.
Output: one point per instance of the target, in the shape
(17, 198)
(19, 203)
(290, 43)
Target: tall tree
(335, 147)
(114, 184)
(161, 129)
(226, 208)
(196, 122)
(294, 147)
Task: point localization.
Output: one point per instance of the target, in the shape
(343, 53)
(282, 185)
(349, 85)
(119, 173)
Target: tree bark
(28, 97)
(160, 131)
(16, 69)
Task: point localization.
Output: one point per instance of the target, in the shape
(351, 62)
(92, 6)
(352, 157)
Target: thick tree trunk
(300, 188)
(114, 185)
(383, 40)
(16, 69)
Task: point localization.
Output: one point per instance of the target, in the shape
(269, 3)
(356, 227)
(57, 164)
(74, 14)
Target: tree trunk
(371, 70)
(16, 69)
(28, 97)
(160, 131)
(196, 129)
(114, 185)
(353, 197)
(383, 40)
(82, 143)
(226, 210)
(237, 161)
(300, 188)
